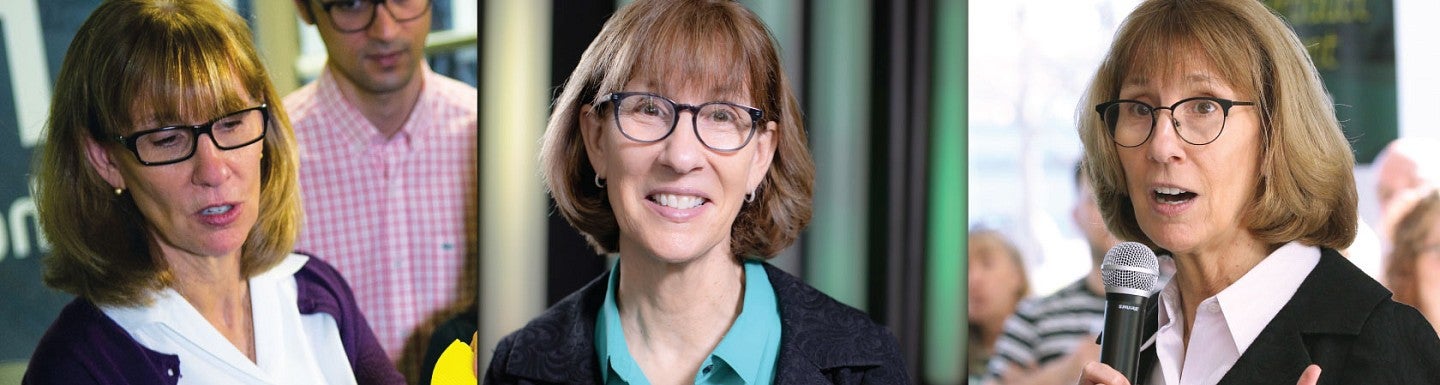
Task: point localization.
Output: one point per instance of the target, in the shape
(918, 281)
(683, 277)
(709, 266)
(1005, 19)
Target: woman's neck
(215, 287)
(674, 314)
(1203, 274)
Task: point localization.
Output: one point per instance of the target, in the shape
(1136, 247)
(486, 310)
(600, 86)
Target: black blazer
(821, 341)
(1340, 319)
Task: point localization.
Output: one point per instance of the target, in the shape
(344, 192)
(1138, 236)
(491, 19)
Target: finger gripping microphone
(1129, 270)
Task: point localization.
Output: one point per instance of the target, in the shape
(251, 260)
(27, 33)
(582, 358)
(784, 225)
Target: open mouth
(216, 210)
(680, 202)
(1172, 195)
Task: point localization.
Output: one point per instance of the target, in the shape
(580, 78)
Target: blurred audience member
(1406, 164)
(1042, 343)
(1414, 269)
(997, 284)
(389, 155)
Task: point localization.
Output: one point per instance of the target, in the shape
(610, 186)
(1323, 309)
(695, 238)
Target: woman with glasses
(677, 144)
(1213, 142)
(167, 188)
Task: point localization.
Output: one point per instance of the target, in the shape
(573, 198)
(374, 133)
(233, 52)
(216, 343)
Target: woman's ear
(764, 142)
(590, 126)
(103, 163)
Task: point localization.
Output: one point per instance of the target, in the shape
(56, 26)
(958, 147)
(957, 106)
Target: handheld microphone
(1129, 270)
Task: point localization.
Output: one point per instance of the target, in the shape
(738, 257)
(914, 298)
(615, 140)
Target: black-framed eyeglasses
(721, 126)
(1197, 120)
(357, 15)
(174, 144)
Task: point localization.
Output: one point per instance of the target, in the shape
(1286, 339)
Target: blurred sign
(1353, 45)
(33, 39)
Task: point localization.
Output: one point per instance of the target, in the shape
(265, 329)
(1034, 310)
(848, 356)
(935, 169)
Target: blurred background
(881, 83)
(1030, 61)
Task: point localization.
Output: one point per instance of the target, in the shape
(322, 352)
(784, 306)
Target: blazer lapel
(1314, 327)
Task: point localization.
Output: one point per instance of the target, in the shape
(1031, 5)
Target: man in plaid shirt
(388, 170)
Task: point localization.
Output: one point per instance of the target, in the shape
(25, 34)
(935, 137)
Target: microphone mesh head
(1130, 267)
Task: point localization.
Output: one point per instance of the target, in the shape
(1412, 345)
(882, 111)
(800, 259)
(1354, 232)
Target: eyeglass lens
(178, 143)
(1198, 121)
(647, 118)
(355, 15)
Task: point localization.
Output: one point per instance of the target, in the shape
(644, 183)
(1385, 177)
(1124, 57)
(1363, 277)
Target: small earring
(119, 191)
(599, 182)
(750, 197)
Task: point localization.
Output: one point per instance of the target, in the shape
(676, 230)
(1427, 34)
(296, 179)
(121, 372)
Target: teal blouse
(746, 355)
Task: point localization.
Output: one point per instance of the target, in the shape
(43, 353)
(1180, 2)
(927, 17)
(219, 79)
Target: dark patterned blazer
(1340, 319)
(821, 341)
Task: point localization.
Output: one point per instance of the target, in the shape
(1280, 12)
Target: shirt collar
(610, 343)
(166, 305)
(757, 325)
(1252, 301)
(756, 328)
(365, 133)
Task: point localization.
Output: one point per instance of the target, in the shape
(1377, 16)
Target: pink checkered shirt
(397, 217)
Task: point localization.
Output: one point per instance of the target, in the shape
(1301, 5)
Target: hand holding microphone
(1130, 271)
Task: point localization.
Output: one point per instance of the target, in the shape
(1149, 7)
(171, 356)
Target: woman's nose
(683, 151)
(1165, 144)
(210, 167)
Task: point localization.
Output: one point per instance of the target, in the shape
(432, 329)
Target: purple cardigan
(83, 346)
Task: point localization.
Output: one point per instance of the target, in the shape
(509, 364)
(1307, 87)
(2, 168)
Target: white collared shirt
(290, 348)
(1227, 323)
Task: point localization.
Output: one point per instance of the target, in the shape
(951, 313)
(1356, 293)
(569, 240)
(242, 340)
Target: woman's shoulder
(84, 345)
(556, 346)
(813, 310)
(820, 332)
(319, 287)
(1399, 322)
(316, 280)
(832, 336)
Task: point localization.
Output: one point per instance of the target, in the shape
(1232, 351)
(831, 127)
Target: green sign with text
(1353, 45)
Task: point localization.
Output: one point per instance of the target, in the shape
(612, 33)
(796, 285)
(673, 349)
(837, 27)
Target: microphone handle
(1120, 345)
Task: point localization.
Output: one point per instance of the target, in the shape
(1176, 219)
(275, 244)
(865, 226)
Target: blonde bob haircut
(138, 61)
(704, 42)
(1306, 189)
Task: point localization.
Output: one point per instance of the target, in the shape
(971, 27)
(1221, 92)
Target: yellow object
(456, 366)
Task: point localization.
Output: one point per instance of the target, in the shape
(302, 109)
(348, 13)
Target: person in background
(389, 165)
(677, 142)
(1214, 142)
(1049, 338)
(166, 185)
(1407, 166)
(997, 283)
(1414, 269)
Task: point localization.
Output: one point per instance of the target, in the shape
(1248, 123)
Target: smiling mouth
(1172, 195)
(681, 202)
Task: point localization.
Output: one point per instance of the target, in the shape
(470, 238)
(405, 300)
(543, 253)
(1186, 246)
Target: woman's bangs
(188, 83)
(700, 53)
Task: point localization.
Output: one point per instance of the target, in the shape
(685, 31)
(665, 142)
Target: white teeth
(217, 210)
(682, 202)
(1169, 190)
